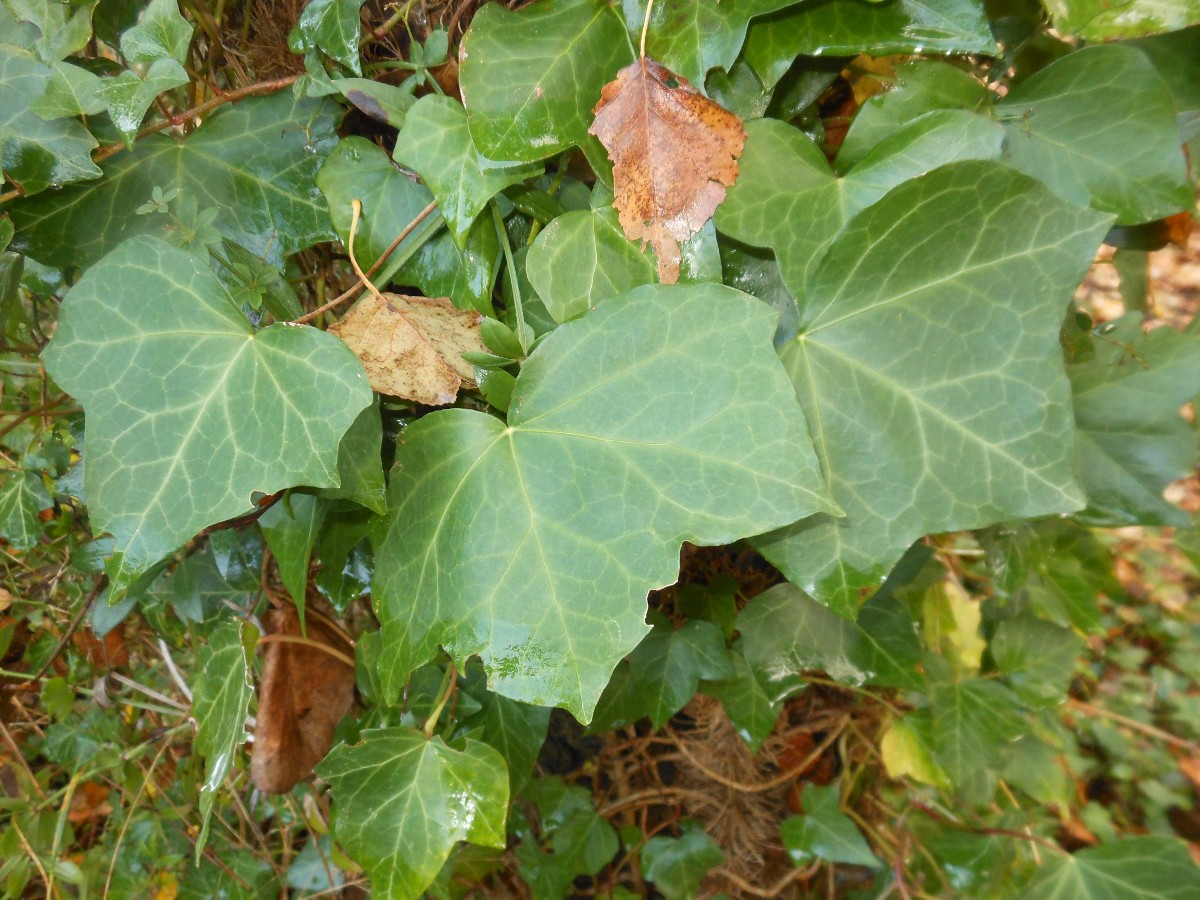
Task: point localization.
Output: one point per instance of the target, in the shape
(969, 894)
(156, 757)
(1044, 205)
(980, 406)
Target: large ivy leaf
(582, 258)
(1098, 127)
(1132, 439)
(36, 154)
(530, 78)
(22, 496)
(358, 170)
(660, 417)
(799, 213)
(692, 36)
(255, 163)
(189, 410)
(928, 365)
(402, 801)
(221, 699)
(824, 831)
(435, 142)
(1149, 868)
(1100, 20)
(850, 27)
(785, 632)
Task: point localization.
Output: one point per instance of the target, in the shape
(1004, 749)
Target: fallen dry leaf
(674, 152)
(414, 351)
(305, 691)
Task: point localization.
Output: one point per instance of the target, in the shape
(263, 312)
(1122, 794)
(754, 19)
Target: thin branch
(316, 645)
(1148, 730)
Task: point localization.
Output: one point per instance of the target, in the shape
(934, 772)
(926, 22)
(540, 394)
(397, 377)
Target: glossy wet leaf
(71, 92)
(358, 170)
(22, 497)
(402, 801)
(676, 866)
(1098, 21)
(789, 199)
(1132, 439)
(160, 32)
(128, 95)
(1098, 127)
(661, 416)
(1154, 868)
(436, 144)
(928, 355)
(674, 153)
(63, 27)
(189, 410)
(825, 832)
(530, 78)
(221, 695)
(254, 162)
(414, 347)
(582, 258)
(850, 27)
(331, 26)
(748, 706)
(36, 153)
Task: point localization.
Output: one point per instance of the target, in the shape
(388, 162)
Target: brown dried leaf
(305, 691)
(674, 152)
(414, 351)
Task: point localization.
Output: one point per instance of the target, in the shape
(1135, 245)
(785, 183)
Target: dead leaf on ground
(305, 691)
(674, 152)
(414, 352)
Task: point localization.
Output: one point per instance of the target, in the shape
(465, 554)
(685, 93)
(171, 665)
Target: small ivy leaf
(749, 709)
(128, 95)
(22, 497)
(332, 26)
(412, 347)
(535, 527)
(221, 698)
(975, 722)
(402, 801)
(676, 866)
(825, 832)
(674, 152)
(169, 446)
(1037, 657)
(906, 749)
(160, 33)
(1149, 868)
(65, 27)
(385, 103)
(290, 528)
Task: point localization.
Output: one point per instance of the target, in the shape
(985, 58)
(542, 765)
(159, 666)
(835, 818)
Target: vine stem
(346, 295)
(645, 28)
(316, 645)
(449, 682)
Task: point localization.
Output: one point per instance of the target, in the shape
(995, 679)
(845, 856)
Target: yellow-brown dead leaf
(415, 350)
(674, 152)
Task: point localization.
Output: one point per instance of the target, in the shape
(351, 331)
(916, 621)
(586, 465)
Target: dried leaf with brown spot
(674, 152)
(305, 691)
(414, 349)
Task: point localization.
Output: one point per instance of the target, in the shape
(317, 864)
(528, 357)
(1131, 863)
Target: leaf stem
(518, 306)
(645, 28)
(449, 682)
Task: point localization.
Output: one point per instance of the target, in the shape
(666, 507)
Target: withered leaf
(305, 691)
(674, 152)
(414, 349)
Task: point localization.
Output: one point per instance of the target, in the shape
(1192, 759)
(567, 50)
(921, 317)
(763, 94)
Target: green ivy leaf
(1150, 868)
(922, 86)
(530, 78)
(676, 866)
(22, 496)
(690, 37)
(357, 169)
(927, 355)
(402, 801)
(746, 703)
(71, 92)
(665, 669)
(160, 33)
(435, 142)
(290, 528)
(974, 721)
(825, 832)
(37, 154)
(1095, 20)
(581, 842)
(582, 258)
(850, 27)
(128, 95)
(360, 464)
(64, 27)
(660, 417)
(1098, 128)
(191, 411)
(385, 103)
(1038, 658)
(254, 162)
(1132, 439)
(331, 26)
(221, 698)
(798, 214)
(516, 730)
(785, 632)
